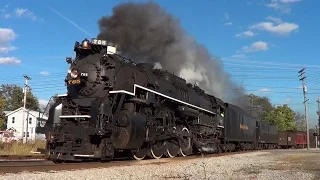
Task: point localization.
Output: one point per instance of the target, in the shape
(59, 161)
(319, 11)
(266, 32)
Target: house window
(13, 118)
(24, 134)
(30, 120)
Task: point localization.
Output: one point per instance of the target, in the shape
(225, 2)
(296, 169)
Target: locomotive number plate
(74, 81)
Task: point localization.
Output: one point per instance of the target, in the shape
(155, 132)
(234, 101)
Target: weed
(17, 148)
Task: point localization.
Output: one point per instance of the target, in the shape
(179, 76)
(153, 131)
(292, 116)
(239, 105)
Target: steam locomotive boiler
(115, 105)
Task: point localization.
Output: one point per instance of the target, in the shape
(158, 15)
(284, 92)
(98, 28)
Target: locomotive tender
(114, 105)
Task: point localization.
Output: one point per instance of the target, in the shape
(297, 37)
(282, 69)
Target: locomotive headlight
(74, 73)
(85, 44)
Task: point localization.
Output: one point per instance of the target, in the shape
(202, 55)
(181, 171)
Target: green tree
(13, 95)
(299, 120)
(282, 116)
(3, 105)
(258, 106)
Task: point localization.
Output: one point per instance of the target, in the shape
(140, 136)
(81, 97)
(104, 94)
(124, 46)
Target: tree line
(282, 116)
(11, 98)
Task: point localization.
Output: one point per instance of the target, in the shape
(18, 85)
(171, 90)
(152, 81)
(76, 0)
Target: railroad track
(21, 157)
(15, 166)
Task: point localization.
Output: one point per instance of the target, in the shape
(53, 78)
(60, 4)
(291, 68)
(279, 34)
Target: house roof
(12, 112)
(8, 113)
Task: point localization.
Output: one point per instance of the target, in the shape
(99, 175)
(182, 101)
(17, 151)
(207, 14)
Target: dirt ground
(289, 161)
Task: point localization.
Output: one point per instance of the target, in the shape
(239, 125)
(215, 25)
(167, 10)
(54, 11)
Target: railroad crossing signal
(315, 134)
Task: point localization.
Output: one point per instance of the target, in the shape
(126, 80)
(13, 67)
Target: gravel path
(255, 165)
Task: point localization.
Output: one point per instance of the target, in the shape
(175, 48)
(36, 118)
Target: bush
(18, 148)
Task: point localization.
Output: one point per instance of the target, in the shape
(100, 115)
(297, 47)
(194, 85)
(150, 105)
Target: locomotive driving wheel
(140, 153)
(157, 150)
(186, 145)
(172, 147)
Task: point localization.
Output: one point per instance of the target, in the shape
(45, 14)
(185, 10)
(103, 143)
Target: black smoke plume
(145, 32)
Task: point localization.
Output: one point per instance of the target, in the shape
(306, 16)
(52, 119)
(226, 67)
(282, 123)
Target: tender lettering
(244, 127)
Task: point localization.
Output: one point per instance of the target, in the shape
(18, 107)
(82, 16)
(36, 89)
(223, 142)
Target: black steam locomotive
(114, 105)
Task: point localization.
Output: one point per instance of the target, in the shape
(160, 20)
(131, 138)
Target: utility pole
(301, 72)
(316, 138)
(26, 87)
(318, 112)
(251, 104)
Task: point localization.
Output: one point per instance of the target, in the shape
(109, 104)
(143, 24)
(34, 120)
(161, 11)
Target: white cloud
(245, 34)
(277, 26)
(4, 12)
(9, 60)
(278, 7)
(239, 56)
(274, 19)
(7, 49)
(288, 100)
(43, 103)
(281, 5)
(256, 46)
(6, 36)
(17, 12)
(226, 15)
(288, 1)
(21, 12)
(265, 90)
(44, 73)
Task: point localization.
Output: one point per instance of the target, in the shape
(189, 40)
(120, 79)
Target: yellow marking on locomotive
(244, 127)
(74, 81)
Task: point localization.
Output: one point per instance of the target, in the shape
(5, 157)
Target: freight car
(292, 139)
(114, 105)
(267, 135)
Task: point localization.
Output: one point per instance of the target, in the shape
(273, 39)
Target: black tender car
(267, 135)
(240, 128)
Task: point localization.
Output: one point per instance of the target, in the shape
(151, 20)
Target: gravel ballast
(264, 165)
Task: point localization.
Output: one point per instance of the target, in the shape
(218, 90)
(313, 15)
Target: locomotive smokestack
(147, 33)
(157, 65)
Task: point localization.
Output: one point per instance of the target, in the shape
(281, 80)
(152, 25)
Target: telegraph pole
(251, 104)
(316, 138)
(318, 112)
(301, 72)
(26, 87)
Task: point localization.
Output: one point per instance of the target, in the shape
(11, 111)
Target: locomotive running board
(75, 116)
(62, 95)
(160, 94)
(83, 155)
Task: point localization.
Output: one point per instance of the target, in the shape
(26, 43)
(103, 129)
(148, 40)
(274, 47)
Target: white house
(14, 121)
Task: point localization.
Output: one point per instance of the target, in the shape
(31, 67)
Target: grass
(18, 148)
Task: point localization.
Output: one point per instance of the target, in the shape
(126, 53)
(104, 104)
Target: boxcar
(301, 139)
(240, 128)
(292, 139)
(267, 135)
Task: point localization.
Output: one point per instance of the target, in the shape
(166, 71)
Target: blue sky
(262, 43)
